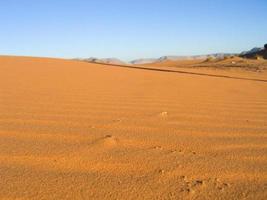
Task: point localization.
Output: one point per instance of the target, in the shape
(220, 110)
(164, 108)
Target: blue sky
(130, 29)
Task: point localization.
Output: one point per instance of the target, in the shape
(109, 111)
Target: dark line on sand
(181, 72)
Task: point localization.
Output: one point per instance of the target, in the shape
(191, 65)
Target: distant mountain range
(103, 60)
(143, 61)
(173, 58)
(151, 60)
(257, 51)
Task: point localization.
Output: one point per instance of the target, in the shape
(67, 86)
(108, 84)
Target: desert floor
(76, 130)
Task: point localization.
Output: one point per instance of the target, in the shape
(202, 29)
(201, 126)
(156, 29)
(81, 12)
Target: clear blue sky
(130, 29)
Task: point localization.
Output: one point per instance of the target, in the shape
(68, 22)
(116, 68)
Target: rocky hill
(256, 53)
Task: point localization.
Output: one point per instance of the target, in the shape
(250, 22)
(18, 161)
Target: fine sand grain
(76, 130)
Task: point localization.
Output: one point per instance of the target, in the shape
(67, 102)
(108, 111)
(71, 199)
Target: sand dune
(76, 130)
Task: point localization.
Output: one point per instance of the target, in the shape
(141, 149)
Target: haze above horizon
(130, 29)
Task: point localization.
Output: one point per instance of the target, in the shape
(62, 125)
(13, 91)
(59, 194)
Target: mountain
(173, 58)
(254, 50)
(143, 61)
(256, 53)
(114, 61)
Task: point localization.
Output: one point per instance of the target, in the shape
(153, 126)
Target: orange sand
(75, 130)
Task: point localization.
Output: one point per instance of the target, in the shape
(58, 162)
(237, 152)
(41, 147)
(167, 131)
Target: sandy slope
(74, 130)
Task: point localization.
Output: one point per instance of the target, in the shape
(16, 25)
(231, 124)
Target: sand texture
(76, 130)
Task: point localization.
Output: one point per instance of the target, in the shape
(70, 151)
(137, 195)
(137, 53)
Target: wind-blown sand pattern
(75, 130)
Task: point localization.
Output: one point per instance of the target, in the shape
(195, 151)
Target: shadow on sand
(180, 72)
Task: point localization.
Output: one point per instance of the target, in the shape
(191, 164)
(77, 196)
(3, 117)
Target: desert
(133, 100)
(77, 130)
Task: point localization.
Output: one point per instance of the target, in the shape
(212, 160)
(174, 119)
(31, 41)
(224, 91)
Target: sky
(130, 29)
